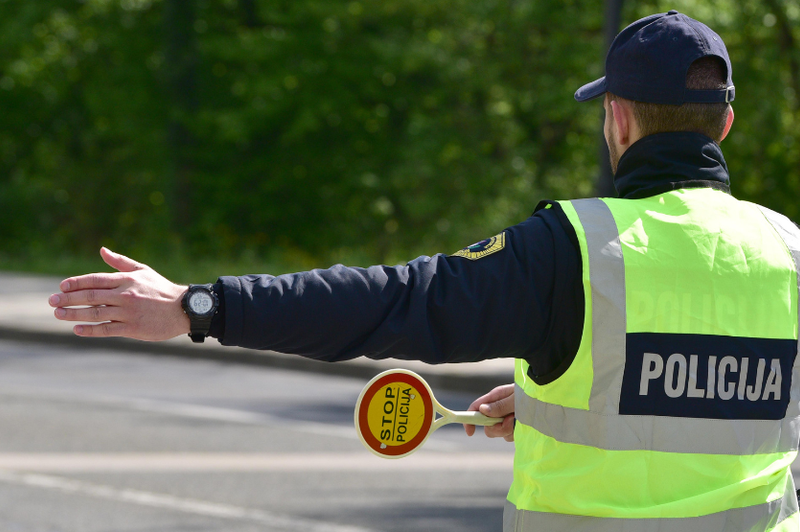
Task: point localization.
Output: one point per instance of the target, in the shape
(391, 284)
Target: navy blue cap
(648, 61)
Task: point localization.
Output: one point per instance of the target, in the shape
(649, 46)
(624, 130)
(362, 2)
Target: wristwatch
(200, 303)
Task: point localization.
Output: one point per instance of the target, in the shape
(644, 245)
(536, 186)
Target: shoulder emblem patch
(484, 247)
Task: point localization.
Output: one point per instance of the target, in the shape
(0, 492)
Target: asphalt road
(101, 441)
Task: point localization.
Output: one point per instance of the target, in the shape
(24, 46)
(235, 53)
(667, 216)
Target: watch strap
(199, 329)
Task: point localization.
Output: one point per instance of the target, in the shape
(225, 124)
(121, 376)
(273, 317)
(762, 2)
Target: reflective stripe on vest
(771, 516)
(607, 272)
(666, 434)
(662, 441)
(791, 235)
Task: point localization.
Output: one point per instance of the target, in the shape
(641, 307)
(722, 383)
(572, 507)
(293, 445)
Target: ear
(728, 123)
(623, 120)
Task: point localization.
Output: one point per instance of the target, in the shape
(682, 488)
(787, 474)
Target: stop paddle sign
(396, 412)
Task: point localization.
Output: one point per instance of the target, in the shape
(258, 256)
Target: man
(655, 335)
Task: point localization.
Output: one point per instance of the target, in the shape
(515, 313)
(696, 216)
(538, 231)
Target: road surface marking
(170, 502)
(211, 413)
(251, 462)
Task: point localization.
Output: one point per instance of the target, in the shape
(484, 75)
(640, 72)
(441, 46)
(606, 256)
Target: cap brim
(592, 90)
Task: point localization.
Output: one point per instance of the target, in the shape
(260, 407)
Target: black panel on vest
(705, 376)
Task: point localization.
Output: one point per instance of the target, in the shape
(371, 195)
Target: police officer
(655, 335)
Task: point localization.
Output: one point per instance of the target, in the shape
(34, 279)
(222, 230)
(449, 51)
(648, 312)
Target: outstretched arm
(434, 309)
(497, 403)
(135, 302)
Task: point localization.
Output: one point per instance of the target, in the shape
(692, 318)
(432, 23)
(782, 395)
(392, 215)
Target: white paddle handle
(470, 418)
(474, 417)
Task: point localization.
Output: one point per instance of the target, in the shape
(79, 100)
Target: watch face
(201, 303)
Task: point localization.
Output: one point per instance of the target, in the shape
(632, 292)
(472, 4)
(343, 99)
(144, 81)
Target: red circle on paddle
(368, 395)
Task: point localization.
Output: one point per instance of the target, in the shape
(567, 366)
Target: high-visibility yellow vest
(681, 409)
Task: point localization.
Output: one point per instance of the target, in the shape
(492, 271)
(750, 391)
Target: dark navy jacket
(524, 301)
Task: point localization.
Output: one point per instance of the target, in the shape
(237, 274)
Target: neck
(667, 161)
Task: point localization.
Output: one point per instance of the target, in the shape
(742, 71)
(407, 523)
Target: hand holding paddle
(499, 403)
(396, 412)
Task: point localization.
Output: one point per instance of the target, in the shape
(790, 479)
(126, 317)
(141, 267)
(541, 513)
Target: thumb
(119, 262)
(499, 408)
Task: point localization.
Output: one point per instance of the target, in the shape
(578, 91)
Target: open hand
(135, 302)
(497, 403)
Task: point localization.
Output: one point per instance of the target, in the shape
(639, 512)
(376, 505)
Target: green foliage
(307, 131)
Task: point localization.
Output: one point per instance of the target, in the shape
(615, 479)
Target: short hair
(706, 73)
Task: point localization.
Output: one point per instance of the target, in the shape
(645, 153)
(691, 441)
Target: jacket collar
(668, 161)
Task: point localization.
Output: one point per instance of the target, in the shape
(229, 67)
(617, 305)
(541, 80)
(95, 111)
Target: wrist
(183, 318)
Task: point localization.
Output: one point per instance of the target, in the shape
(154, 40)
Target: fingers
(499, 408)
(103, 330)
(93, 297)
(503, 430)
(501, 392)
(120, 262)
(92, 281)
(91, 314)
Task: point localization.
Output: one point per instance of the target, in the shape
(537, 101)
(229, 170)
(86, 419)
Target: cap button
(672, 12)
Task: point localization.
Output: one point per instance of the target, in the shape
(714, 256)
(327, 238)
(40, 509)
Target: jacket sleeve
(434, 309)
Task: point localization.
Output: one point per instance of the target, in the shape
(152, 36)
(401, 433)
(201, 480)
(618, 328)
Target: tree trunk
(613, 19)
(788, 46)
(249, 13)
(180, 61)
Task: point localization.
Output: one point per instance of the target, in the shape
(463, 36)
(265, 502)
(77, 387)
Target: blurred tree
(319, 131)
(395, 127)
(83, 127)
